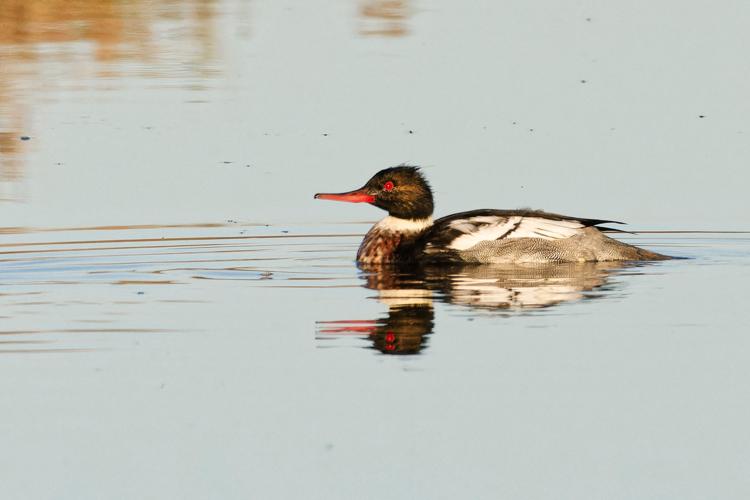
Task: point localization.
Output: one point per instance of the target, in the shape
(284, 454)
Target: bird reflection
(402, 331)
(409, 293)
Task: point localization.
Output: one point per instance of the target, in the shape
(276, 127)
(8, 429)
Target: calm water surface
(180, 319)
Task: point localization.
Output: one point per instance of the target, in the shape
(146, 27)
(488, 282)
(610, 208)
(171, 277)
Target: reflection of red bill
(350, 326)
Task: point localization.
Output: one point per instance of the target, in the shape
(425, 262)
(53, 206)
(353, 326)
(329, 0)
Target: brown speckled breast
(379, 246)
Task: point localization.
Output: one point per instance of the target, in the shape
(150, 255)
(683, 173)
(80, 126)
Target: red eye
(388, 186)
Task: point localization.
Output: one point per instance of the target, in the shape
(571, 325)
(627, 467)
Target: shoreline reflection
(386, 18)
(409, 293)
(93, 46)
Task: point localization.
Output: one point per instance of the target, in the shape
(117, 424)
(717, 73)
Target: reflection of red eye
(388, 186)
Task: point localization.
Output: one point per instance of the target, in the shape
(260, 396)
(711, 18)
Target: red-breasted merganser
(409, 234)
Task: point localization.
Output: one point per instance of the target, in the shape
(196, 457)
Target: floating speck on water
(59, 164)
(231, 221)
(411, 131)
(531, 130)
(325, 135)
(247, 165)
(588, 19)
(25, 138)
(701, 116)
(225, 162)
(514, 123)
(141, 293)
(284, 231)
(583, 81)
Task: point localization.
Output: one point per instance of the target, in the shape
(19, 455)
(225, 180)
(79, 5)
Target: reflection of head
(404, 330)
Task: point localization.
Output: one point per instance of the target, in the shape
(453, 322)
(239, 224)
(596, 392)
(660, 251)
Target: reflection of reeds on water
(118, 29)
(163, 38)
(10, 164)
(384, 17)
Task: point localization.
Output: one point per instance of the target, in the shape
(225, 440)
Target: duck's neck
(386, 240)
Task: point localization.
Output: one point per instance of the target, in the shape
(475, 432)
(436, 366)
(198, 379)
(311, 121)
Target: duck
(409, 234)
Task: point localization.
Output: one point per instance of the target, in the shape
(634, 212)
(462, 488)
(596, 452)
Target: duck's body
(409, 233)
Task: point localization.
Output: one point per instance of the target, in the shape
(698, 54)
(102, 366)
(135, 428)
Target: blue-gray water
(180, 319)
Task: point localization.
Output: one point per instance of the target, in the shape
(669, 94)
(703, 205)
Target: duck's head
(402, 191)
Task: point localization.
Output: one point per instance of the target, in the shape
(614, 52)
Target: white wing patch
(478, 229)
(539, 227)
(490, 227)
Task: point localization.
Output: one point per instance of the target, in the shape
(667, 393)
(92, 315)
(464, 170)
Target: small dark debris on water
(226, 162)
(325, 135)
(583, 81)
(411, 131)
(588, 19)
(231, 221)
(141, 293)
(701, 116)
(268, 275)
(514, 123)
(25, 138)
(531, 130)
(59, 164)
(284, 231)
(247, 165)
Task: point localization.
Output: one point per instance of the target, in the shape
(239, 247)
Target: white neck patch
(397, 225)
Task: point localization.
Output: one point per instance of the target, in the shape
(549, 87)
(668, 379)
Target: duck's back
(523, 236)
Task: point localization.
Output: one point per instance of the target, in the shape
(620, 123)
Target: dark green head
(402, 191)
